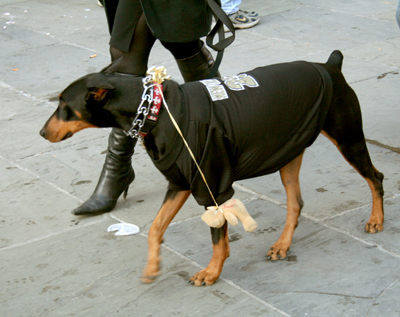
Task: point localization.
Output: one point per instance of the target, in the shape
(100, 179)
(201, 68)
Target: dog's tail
(336, 59)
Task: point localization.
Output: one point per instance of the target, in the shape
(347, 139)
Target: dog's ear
(112, 68)
(99, 93)
(98, 87)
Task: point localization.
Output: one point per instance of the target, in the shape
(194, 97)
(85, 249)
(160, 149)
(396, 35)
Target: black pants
(135, 61)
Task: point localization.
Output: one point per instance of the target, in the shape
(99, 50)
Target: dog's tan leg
(211, 273)
(357, 156)
(290, 180)
(173, 202)
(375, 222)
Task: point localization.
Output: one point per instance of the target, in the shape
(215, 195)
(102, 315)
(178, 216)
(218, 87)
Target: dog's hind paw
(371, 227)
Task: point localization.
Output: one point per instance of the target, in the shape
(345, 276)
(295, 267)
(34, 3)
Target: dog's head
(83, 104)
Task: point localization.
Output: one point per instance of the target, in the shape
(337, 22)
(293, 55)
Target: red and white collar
(149, 109)
(154, 110)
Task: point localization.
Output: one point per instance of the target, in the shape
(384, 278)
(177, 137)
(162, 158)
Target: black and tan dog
(244, 126)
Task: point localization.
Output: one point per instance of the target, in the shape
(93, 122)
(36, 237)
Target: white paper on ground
(124, 229)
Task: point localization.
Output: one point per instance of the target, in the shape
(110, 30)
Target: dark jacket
(176, 21)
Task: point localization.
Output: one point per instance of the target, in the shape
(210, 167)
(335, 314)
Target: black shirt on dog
(245, 126)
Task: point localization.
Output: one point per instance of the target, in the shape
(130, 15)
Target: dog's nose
(43, 133)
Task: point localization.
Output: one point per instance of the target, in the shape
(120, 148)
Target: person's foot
(251, 14)
(243, 19)
(115, 177)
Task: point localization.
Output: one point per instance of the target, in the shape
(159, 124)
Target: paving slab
(78, 22)
(31, 209)
(89, 271)
(378, 120)
(330, 29)
(45, 71)
(382, 52)
(335, 273)
(367, 8)
(15, 38)
(388, 241)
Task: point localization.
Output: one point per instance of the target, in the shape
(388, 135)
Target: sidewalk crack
(383, 292)
(388, 147)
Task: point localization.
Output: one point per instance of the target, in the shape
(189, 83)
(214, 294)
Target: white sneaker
(243, 20)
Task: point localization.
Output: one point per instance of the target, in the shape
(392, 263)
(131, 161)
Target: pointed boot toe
(95, 205)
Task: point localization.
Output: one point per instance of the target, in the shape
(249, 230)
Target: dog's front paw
(150, 274)
(373, 227)
(204, 277)
(278, 252)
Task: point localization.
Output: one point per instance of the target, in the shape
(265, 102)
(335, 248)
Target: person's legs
(193, 58)
(135, 60)
(398, 13)
(230, 6)
(117, 173)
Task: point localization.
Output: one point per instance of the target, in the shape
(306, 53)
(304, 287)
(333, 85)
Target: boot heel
(126, 191)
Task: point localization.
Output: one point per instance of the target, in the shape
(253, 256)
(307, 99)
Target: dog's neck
(124, 105)
(160, 138)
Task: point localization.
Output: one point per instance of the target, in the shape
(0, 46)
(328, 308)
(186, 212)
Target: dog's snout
(43, 133)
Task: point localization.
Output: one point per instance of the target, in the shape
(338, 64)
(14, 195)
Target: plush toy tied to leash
(231, 210)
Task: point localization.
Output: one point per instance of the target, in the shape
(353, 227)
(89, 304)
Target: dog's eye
(66, 113)
(69, 112)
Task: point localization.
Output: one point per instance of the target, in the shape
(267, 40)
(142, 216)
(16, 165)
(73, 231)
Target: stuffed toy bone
(231, 210)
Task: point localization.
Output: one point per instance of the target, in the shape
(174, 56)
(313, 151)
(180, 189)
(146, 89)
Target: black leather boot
(115, 178)
(198, 66)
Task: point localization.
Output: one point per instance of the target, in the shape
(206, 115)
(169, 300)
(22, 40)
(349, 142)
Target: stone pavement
(55, 264)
